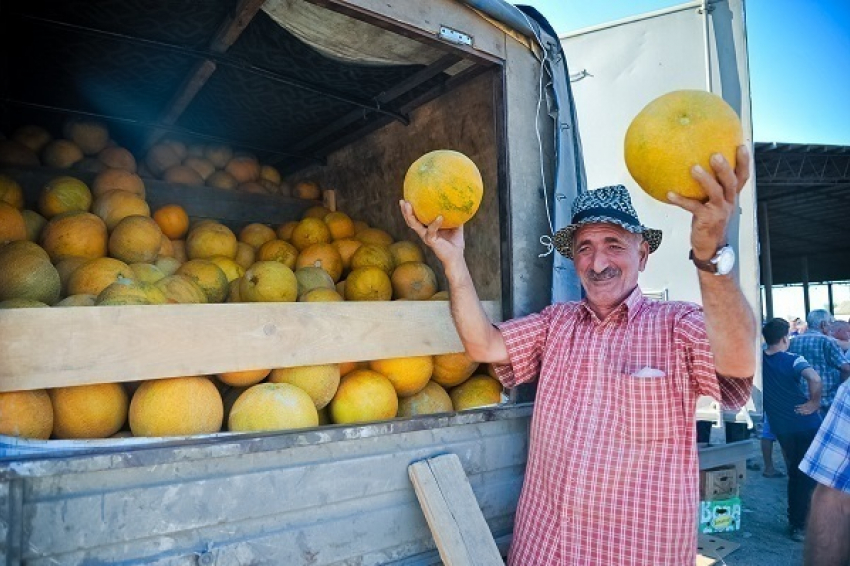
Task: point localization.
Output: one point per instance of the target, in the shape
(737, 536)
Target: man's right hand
(447, 244)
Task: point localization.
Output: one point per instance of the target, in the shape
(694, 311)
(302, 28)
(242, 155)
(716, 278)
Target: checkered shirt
(826, 358)
(828, 458)
(612, 472)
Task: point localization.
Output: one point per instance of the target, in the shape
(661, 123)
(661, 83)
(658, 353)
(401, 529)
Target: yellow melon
(244, 378)
(13, 227)
(160, 158)
(181, 289)
(346, 249)
(182, 175)
(440, 296)
(272, 406)
(14, 154)
(444, 183)
(64, 194)
(202, 166)
(26, 414)
(255, 235)
(208, 276)
(246, 255)
(231, 269)
(35, 223)
(117, 180)
(368, 284)
(269, 173)
(404, 251)
(268, 281)
(340, 225)
(176, 407)
(319, 382)
(89, 411)
(173, 221)
(117, 158)
(66, 268)
(243, 168)
(210, 240)
(26, 273)
(324, 256)
(77, 301)
(222, 180)
(116, 205)
(32, 137)
(11, 192)
(316, 212)
(74, 234)
(310, 278)
(453, 369)
(284, 231)
(308, 232)
(279, 251)
(408, 375)
(146, 272)
(307, 190)
(362, 396)
(135, 239)
(431, 399)
(178, 147)
(218, 155)
(414, 281)
(370, 255)
(61, 154)
(359, 226)
(673, 133)
(90, 136)
(129, 292)
(22, 304)
(477, 391)
(375, 237)
(320, 295)
(347, 367)
(168, 265)
(97, 274)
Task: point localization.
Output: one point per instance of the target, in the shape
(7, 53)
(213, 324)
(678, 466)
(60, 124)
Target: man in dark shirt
(794, 419)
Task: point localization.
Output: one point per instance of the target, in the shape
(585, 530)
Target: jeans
(800, 486)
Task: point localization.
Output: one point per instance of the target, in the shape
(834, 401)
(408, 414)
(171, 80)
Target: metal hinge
(454, 36)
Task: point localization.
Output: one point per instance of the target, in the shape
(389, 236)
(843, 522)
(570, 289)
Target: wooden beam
(457, 524)
(43, 348)
(234, 25)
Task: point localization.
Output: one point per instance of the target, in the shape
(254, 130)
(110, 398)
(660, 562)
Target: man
(840, 331)
(823, 353)
(794, 417)
(612, 468)
(828, 463)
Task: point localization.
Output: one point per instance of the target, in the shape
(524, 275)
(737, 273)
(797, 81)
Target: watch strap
(705, 265)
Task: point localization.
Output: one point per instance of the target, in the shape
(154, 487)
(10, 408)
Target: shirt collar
(631, 304)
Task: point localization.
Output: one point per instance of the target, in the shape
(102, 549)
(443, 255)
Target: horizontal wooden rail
(64, 346)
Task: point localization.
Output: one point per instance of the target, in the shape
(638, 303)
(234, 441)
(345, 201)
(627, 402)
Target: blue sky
(799, 60)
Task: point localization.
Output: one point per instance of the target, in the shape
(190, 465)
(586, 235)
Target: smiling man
(612, 467)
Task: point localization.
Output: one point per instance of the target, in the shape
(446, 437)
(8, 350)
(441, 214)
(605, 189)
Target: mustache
(604, 275)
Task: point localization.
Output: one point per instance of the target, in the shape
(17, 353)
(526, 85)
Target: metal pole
(807, 306)
(830, 299)
(764, 257)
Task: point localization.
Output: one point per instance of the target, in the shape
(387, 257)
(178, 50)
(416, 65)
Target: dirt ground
(764, 528)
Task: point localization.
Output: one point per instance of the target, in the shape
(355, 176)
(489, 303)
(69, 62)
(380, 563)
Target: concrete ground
(764, 527)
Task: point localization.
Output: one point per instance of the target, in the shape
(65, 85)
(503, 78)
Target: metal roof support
(804, 266)
(764, 257)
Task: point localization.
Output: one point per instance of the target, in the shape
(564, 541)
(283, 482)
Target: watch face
(725, 261)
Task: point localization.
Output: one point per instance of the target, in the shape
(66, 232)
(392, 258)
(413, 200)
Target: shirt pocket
(646, 408)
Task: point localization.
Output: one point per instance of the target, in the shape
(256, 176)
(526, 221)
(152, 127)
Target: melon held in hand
(673, 133)
(444, 183)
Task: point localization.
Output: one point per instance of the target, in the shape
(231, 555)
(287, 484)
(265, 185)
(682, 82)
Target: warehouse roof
(805, 189)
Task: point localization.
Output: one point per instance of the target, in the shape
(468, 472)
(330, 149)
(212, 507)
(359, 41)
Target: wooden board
(457, 524)
(41, 348)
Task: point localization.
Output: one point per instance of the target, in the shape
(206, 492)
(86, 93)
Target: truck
(347, 93)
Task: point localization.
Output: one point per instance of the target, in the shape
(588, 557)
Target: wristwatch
(721, 264)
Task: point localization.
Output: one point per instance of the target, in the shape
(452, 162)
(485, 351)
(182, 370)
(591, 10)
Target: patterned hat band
(609, 212)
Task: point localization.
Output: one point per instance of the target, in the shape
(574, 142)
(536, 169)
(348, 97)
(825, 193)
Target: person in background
(794, 416)
(797, 327)
(767, 440)
(823, 353)
(612, 462)
(840, 330)
(828, 463)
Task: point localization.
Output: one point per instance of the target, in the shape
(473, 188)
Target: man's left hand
(711, 218)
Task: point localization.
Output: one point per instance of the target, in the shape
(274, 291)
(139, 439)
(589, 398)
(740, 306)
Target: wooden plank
(457, 524)
(41, 348)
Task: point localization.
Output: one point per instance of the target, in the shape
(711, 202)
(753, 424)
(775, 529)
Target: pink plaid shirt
(612, 469)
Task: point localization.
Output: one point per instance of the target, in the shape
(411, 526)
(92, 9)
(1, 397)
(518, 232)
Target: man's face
(841, 330)
(608, 259)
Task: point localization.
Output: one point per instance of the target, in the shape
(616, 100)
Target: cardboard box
(718, 483)
(720, 516)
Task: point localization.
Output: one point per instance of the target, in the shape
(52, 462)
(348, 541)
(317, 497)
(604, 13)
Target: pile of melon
(253, 400)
